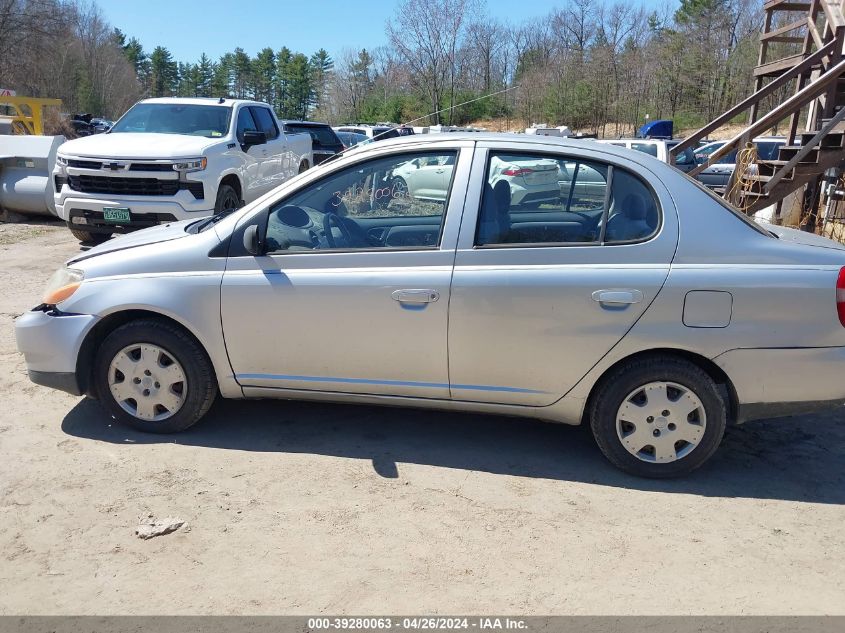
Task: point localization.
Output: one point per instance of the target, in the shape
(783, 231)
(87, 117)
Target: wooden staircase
(817, 72)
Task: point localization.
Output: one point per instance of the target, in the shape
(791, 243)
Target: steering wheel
(332, 218)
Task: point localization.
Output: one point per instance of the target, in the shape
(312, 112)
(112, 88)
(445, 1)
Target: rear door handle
(621, 296)
(415, 296)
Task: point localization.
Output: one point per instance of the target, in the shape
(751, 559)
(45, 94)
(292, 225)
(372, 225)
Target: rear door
(539, 297)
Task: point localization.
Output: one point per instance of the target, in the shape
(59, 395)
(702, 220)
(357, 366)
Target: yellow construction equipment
(25, 115)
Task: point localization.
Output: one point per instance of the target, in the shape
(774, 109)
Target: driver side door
(352, 293)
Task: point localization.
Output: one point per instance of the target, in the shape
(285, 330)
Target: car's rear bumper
(50, 342)
(775, 382)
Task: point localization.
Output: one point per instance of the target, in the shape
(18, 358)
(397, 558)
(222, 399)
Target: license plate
(115, 214)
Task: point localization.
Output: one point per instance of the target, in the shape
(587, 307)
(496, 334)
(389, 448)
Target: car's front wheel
(153, 376)
(227, 198)
(658, 417)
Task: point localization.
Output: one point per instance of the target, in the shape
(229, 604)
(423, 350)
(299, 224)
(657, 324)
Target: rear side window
(537, 199)
(265, 122)
(321, 135)
(645, 148)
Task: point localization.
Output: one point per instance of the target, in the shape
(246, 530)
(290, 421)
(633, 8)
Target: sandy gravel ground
(310, 509)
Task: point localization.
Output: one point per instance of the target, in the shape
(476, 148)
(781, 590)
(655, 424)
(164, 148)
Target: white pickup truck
(172, 159)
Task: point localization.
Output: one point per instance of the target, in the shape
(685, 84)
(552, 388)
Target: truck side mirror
(252, 240)
(254, 137)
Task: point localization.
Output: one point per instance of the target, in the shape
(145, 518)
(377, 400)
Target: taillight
(517, 172)
(840, 296)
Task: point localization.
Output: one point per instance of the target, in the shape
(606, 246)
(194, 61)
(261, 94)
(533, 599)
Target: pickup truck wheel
(658, 417)
(227, 198)
(89, 237)
(153, 376)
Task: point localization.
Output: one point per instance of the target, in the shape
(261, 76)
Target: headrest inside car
(293, 216)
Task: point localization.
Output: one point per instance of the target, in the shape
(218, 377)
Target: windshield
(321, 136)
(211, 121)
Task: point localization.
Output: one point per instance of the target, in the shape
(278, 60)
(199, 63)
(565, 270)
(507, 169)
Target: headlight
(191, 164)
(62, 285)
(61, 160)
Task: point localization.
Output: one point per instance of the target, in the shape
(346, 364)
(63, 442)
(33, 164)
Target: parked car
(659, 148)
(530, 182)
(375, 132)
(171, 159)
(718, 175)
(101, 125)
(324, 142)
(656, 317)
(349, 139)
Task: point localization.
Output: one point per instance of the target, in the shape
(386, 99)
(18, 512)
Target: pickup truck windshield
(164, 118)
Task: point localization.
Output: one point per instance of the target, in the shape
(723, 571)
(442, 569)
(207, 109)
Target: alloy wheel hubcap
(660, 422)
(147, 382)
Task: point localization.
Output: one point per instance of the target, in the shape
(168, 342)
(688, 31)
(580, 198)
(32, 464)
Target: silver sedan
(647, 309)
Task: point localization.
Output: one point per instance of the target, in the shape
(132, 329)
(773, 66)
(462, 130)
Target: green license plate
(115, 214)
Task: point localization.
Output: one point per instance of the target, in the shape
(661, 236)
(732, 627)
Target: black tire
(227, 198)
(616, 387)
(200, 382)
(88, 237)
(303, 166)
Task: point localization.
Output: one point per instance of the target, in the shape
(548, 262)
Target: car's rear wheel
(227, 198)
(153, 376)
(88, 237)
(658, 417)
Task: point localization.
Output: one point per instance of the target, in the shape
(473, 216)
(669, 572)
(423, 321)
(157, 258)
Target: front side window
(264, 120)
(245, 123)
(164, 118)
(539, 199)
(397, 201)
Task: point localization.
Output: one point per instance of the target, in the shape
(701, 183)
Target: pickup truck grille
(124, 186)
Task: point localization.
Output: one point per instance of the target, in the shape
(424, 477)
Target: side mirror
(252, 241)
(254, 137)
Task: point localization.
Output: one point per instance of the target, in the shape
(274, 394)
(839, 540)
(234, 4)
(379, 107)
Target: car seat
(495, 222)
(630, 221)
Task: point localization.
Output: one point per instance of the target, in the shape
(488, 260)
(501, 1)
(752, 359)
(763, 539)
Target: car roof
(561, 142)
(201, 101)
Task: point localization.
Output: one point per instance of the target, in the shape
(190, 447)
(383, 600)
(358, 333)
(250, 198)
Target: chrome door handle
(620, 296)
(415, 296)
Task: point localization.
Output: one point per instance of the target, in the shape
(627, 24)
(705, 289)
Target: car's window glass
(538, 199)
(632, 213)
(385, 132)
(161, 118)
(265, 122)
(647, 148)
(390, 202)
(767, 150)
(245, 123)
(321, 136)
(686, 157)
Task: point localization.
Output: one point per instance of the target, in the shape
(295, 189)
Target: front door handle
(620, 296)
(415, 296)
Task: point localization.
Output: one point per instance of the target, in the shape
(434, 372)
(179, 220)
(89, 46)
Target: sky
(216, 27)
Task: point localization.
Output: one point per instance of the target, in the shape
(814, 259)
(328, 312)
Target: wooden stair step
(786, 5)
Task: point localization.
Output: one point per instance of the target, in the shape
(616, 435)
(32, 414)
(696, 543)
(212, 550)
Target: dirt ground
(318, 509)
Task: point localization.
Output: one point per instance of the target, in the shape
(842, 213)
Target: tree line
(594, 65)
